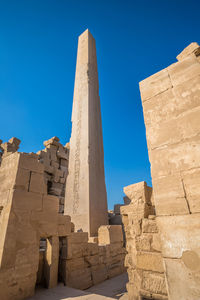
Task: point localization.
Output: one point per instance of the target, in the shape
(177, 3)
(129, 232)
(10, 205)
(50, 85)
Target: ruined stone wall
(55, 158)
(37, 242)
(144, 259)
(88, 263)
(28, 213)
(171, 105)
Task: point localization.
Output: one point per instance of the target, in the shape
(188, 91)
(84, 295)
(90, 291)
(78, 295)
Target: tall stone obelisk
(85, 198)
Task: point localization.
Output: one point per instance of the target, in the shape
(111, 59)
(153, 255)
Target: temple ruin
(54, 223)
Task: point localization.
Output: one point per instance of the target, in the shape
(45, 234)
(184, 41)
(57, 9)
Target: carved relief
(77, 160)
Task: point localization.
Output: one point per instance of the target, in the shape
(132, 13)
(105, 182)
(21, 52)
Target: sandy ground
(114, 288)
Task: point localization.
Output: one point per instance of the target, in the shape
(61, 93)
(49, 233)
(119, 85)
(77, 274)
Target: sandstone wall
(28, 213)
(171, 105)
(55, 158)
(37, 242)
(88, 263)
(144, 259)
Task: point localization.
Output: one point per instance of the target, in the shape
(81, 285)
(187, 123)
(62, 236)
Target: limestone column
(85, 199)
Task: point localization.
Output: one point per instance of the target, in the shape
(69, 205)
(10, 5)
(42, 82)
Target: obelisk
(85, 197)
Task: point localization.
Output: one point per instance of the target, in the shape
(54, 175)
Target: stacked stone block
(88, 263)
(28, 213)
(171, 105)
(55, 158)
(144, 258)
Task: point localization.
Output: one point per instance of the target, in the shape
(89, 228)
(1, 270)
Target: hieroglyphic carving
(77, 160)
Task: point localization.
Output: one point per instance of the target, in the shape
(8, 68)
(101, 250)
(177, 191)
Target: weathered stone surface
(154, 283)
(84, 276)
(53, 141)
(185, 284)
(110, 234)
(85, 199)
(150, 261)
(191, 180)
(149, 226)
(28, 213)
(192, 48)
(173, 127)
(37, 184)
(155, 84)
(181, 231)
(27, 161)
(143, 259)
(169, 195)
(184, 70)
(160, 134)
(100, 274)
(171, 159)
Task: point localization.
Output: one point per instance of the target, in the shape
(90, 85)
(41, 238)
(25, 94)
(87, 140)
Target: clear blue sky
(135, 39)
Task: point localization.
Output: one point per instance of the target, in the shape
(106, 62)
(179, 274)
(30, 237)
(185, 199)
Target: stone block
(44, 223)
(173, 158)
(75, 264)
(110, 234)
(99, 274)
(116, 269)
(154, 283)
(79, 279)
(155, 84)
(183, 283)
(160, 108)
(180, 232)
(49, 169)
(27, 200)
(136, 191)
(8, 171)
(156, 242)
(191, 182)
(116, 248)
(150, 261)
(174, 131)
(186, 96)
(189, 50)
(170, 196)
(184, 70)
(78, 237)
(149, 226)
(61, 153)
(27, 161)
(77, 245)
(50, 203)
(143, 242)
(37, 183)
(64, 162)
(64, 229)
(93, 249)
(4, 198)
(104, 250)
(54, 164)
(92, 260)
(53, 153)
(53, 141)
(22, 179)
(62, 219)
